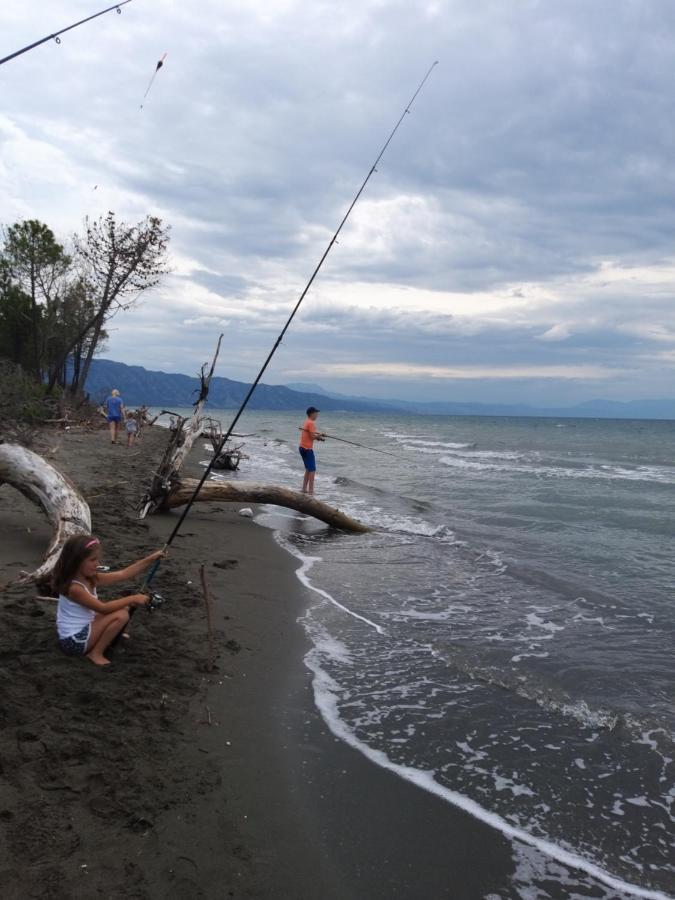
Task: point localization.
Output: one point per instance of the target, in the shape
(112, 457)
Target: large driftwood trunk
(41, 483)
(251, 492)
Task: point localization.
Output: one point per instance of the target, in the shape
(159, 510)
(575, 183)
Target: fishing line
(353, 443)
(55, 36)
(154, 75)
(226, 437)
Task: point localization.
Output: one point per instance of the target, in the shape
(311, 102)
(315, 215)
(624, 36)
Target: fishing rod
(353, 443)
(226, 437)
(56, 34)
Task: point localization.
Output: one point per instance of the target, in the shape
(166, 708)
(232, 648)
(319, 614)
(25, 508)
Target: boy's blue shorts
(308, 459)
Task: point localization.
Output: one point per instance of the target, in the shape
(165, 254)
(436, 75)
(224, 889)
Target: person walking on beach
(85, 625)
(308, 434)
(114, 407)
(131, 428)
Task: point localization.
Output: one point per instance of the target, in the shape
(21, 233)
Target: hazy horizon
(319, 388)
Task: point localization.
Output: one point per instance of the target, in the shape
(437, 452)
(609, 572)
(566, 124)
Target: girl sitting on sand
(85, 625)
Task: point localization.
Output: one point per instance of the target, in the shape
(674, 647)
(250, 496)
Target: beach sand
(156, 778)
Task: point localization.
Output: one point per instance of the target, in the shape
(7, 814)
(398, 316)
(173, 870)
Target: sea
(504, 637)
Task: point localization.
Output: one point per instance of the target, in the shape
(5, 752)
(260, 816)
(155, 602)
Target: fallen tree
(41, 483)
(251, 492)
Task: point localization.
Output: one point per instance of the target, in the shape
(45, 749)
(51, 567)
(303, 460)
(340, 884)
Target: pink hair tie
(91, 543)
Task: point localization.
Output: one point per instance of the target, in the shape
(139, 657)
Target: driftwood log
(251, 492)
(41, 483)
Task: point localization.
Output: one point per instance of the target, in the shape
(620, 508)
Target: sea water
(505, 635)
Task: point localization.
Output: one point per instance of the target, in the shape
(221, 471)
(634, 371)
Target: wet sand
(156, 778)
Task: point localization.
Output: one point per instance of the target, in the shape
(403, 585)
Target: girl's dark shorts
(76, 644)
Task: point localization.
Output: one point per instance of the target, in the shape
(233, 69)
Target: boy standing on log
(308, 434)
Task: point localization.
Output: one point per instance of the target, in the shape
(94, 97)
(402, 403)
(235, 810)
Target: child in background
(85, 625)
(114, 408)
(131, 427)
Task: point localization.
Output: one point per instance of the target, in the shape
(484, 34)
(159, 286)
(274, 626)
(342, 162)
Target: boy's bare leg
(112, 431)
(310, 482)
(305, 482)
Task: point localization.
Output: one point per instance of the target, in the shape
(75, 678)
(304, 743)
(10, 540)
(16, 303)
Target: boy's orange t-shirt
(307, 440)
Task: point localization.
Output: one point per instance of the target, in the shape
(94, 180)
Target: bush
(23, 400)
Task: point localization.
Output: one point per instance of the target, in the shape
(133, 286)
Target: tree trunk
(84, 373)
(178, 448)
(41, 483)
(252, 492)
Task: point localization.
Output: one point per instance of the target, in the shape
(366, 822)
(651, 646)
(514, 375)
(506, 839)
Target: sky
(516, 244)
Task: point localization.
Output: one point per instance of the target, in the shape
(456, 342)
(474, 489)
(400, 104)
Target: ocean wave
(326, 693)
(449, 445)
(303, 574)
(603, 472)
(529, 686)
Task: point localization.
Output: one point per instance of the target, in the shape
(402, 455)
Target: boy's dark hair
(73, 553)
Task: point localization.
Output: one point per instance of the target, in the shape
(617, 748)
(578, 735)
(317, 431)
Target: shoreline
(115, 782)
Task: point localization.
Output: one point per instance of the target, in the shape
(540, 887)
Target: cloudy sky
(516, 244)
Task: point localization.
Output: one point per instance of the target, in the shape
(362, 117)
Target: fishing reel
(156, 601)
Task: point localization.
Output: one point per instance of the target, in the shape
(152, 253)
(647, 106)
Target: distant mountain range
(138, 385)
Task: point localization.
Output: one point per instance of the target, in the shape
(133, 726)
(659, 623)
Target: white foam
(535, 621)
(325, 689)
(638, 801)
(447, 444)
(520, 656)
(661, 474)
(428, 615)
(303, 574)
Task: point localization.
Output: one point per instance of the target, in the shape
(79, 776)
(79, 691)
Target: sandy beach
(156, 778)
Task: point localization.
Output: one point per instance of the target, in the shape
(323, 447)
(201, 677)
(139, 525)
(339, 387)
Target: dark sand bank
(157, 779)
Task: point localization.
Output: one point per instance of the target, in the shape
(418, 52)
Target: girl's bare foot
(98, 659)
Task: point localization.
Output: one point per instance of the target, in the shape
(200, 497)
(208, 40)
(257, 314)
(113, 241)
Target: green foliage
(22, 398)
(38, 266)
(54, 305)
(16, 321)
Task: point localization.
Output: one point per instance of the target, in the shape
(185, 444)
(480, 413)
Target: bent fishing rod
(55, 36)
(353, 443)
(233, 423)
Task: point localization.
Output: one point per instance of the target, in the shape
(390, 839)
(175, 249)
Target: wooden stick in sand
(209, 626)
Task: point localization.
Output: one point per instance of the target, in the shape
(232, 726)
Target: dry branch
(178, 448)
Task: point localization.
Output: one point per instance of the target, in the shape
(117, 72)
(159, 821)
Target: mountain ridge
(155, 388)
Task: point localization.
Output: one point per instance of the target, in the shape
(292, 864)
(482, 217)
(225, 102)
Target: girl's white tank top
(72, 617)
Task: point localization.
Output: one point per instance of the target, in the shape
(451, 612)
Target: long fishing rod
(209, 467)
(353, 443)
(55, 36)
